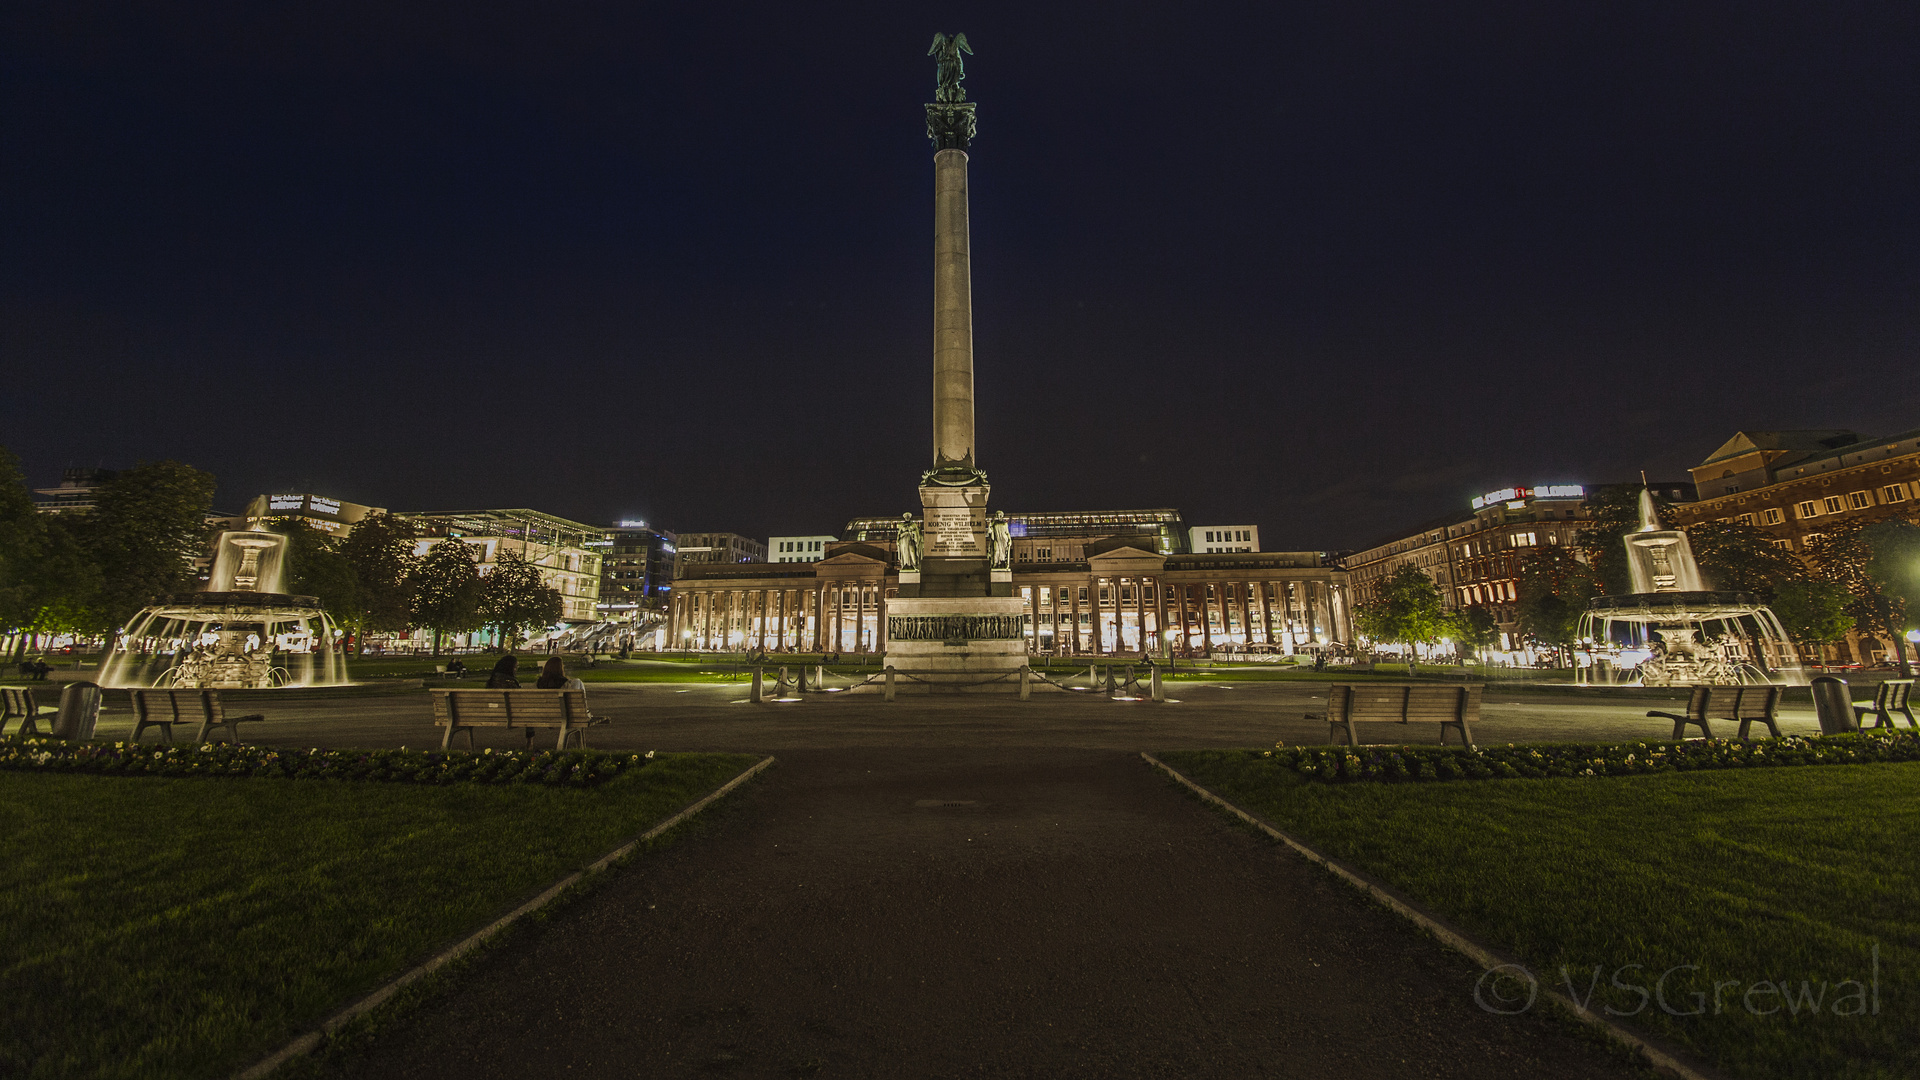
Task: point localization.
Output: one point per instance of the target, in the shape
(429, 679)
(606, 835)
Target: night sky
(1331, 269)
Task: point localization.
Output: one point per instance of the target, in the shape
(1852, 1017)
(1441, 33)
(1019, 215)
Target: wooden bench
(1751, 705)
(1448, 706)
(165, 708)
(1698, 702)
(464, 710)
(1893, 696)
(16, 702)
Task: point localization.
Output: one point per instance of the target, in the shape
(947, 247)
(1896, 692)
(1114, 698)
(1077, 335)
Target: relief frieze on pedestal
(956, 629)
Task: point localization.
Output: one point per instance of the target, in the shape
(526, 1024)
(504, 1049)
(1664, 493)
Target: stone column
(952, 315)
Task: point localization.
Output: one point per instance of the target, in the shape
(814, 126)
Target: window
(1807, 509)
(1744, 519)
(1833, 504)
(1859, 500)
(1894, 493)
(1770, 517)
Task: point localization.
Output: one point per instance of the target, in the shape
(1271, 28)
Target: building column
(1206, 614)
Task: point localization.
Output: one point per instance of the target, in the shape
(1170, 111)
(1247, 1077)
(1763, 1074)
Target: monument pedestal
(958, 644)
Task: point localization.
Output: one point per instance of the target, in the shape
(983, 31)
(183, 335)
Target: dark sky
(1327, 268)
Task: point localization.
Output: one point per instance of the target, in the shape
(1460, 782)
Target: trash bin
(79, 710)
(1833, 702)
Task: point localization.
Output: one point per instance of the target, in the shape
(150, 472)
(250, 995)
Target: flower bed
(571, 768)
(1413, 763)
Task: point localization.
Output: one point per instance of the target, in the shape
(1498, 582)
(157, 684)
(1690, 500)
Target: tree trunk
(436, 644)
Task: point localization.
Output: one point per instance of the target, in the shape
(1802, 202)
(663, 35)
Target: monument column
(952, 304)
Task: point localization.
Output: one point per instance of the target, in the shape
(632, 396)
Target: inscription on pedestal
(952, 531)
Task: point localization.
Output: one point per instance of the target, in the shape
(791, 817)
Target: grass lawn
(184, 928)
(1735, 882)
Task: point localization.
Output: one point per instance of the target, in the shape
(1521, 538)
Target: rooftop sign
(1520, 494)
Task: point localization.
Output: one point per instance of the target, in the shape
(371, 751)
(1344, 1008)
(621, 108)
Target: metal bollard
(1110, 686)
(889, 682)
(1133, 680)
(800, 682)
(754, 694)
(1158, 694)
(780, 690)
(1025, 688)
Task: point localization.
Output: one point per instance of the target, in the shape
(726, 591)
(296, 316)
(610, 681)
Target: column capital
(950, 124)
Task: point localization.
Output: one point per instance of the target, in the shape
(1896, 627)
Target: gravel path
(986, 912)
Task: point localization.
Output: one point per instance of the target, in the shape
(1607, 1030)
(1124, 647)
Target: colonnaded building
(1092, 583)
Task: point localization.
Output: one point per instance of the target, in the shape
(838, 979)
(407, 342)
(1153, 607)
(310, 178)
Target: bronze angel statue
(952, 68)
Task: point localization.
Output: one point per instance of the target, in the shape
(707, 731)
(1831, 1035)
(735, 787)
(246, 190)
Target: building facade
(1799, 484)
(75, 492)
(798, 548)
(559, 548)
(1217, 539)
(1092, 583)
(636, 568)
(720, 547)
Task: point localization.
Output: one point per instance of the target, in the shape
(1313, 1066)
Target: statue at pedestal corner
(910, 543)
(1000, 539)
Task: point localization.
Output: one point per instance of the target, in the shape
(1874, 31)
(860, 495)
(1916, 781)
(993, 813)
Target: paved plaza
(965, 886)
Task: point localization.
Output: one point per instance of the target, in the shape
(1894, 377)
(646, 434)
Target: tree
(1878, 563)
(446, 590)
(316, 567)
(513, 598)
(1554, 589)
(380, 551)
(1742, 558)
(147, 526)
(1813, 612)
(1409, 611)
(1476, 628)
(22, 534)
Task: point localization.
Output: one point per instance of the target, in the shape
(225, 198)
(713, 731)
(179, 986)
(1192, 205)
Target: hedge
(1415, 763)
(572, 768)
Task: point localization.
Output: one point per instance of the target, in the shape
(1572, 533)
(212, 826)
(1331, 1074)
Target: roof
(1806, 441)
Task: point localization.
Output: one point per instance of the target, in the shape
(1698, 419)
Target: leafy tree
(22, 534)
(1476, 628)
(316, 567)
(380, 551)
(1813, 612)
(147, 526)
(1742, 558)
(1409, 611)
(447, 590)
(1878, 563)
(514, 598)
(1553, 593)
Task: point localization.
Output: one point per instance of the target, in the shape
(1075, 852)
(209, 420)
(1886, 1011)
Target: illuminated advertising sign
(1515, 495)
(323, 506)
(286, 502)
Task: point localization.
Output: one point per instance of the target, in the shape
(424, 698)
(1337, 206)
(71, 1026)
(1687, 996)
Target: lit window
(1894, 493)
(1807, 509)
(1833, 504)
(1770, 517)
(1860, 500)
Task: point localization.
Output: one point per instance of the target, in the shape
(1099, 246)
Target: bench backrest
(510, 708)
(1892, 694)
(178, 706)
(15, 701)
(1699, 701)
(1400, 702)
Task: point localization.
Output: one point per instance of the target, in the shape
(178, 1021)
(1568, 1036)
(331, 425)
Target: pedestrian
(457, 669)
(554, 677)
(502, 677)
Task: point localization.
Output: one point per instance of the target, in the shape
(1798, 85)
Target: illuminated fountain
(1671, 630)
(241, 634)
